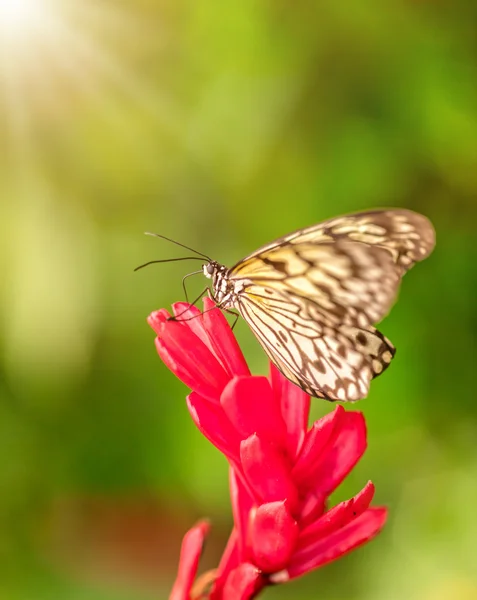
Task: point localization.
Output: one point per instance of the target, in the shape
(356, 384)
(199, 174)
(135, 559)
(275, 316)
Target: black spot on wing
(319, 365)
(342, 350)
(278, 265)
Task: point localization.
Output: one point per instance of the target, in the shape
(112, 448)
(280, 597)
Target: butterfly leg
(235, 314)
(227, 310)
(177, 317)
(184, 285)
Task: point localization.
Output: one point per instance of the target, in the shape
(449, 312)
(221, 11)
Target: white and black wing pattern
(334, 363)
(350, 282)
(317, 329)
(313, 296)
(408, 236)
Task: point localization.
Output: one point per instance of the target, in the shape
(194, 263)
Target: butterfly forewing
(312, 297)
(350, 282)
(407, 235)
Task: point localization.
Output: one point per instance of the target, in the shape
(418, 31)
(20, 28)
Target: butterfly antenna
(166, 260)
(163, 237)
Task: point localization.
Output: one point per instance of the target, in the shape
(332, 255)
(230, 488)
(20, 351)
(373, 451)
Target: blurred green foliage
(223, 125)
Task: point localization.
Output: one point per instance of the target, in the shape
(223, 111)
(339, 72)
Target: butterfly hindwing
(328, 360)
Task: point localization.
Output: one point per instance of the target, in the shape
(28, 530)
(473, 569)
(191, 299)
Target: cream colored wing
(327, 360)
(408, 236)
(349, 282)
(313, 296)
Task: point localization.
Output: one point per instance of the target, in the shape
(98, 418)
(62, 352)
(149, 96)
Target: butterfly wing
(409, 237)
(334, 363)
(314, 326)
(351, 283)
(312, 297)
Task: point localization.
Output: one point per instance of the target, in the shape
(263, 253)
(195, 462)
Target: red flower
(282, 472)
(191, 550)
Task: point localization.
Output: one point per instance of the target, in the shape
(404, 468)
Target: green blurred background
(223, 125)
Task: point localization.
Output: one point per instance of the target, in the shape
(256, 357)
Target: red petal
(345, 448)
(222, 340)
(363, 499)
(267, 470)
(295, 408)
(191, 360)
(337, 517)
(318, 437)
(210, 419)
(228, 562)
(157, 319)
(191, 317)
(249, 404)
(311, 507)
(243, 583)
(242, 503)
(187, 313)
(327, 549)
(272, 536)
(191, 549)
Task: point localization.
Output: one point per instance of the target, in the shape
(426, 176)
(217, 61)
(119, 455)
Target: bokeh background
(223, 125)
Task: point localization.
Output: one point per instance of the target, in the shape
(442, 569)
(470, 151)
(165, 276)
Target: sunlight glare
(21, 17)
(57, 56)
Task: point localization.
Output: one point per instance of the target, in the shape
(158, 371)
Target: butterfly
(313, 296)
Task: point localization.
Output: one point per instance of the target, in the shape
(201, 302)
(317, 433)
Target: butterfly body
(313, 296)
(226, 289)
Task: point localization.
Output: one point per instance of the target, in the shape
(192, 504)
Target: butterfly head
(210, 268)
(223, 288)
